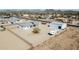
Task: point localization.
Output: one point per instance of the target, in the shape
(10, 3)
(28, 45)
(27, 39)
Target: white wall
(55, 26)
(64, 25)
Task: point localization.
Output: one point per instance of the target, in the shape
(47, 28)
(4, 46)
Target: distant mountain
(39, 10)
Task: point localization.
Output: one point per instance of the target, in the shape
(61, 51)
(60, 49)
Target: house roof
(57, 23)
(25, 24)
(13, 19)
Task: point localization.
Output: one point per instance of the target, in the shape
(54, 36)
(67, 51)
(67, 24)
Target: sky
(39, 4)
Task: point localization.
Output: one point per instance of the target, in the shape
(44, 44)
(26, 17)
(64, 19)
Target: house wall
(56, 25)
(64, 25)
(24, 28)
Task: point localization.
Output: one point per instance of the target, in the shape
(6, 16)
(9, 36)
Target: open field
(8, 41)
(68, 40)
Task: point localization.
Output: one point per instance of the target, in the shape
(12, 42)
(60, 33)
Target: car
(50, 34)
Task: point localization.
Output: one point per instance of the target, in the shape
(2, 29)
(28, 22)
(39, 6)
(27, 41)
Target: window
(59, 27)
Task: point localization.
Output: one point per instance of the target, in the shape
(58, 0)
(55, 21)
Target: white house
(56, 26)
(36, 23)
(25, 26)
(3, 20)
(13, 20)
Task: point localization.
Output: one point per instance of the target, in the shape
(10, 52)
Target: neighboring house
(27, 25)
(36, 23)
(13, 20)
(3, 20)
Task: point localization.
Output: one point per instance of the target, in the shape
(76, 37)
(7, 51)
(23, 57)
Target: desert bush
(36, 30)
(2, 28)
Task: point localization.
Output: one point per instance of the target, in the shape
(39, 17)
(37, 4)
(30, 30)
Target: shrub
(36, 30)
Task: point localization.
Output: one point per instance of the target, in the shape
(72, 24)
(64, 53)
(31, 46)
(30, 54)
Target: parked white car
(53, 32)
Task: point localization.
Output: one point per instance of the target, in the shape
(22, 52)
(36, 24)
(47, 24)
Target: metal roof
(25, 24)
(13, 19)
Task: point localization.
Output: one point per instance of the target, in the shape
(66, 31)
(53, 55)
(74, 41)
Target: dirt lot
(29, 36)
(8, 41)
(68, 40)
